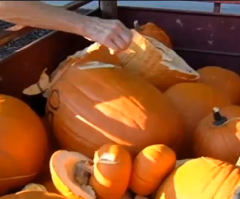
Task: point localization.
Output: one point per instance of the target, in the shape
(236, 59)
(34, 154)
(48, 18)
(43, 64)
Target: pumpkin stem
(237, 194)
(136, 26)
(218, 118)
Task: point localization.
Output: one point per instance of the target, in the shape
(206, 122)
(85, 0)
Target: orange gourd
(112, 170)
(154, 31)
(94, 103)
(223, 80)
(150, 166)
(23, 144)
(194, 101)
(33, 195)
(204, 178)
(218, 135)
(155, 62)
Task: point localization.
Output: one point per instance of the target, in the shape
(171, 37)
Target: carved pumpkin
(156, 63)
(76, 176)
(112, 170)
(150, 166)
(223, 80)
(218, 135)
(33, 195)
(203, 178)
(23, 144)
(154, 31)
(94, 103)
(194, 101)
(70, 172)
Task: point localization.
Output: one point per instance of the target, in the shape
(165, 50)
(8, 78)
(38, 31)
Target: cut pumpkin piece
(32, 195)
(156, 63)
(70, 173)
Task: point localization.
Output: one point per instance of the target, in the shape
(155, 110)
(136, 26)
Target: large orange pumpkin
(203, 178)
(155, 62)
(194, 101)
(33, 195)
(112, 170)
(223, 80)
(23, 144)
(218, 135)
(91, 104)
(150, 166)
(154, 31)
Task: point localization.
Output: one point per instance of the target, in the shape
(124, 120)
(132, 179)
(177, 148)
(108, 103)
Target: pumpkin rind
(219, 141)
(32, 195)
(155, 62)
(150, 166)
(23, 144)
(111, 179)
(154, 31)
(100, 103)
(201, 178)
(223, 80)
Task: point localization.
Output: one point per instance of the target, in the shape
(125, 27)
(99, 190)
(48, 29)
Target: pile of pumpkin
(123, 125)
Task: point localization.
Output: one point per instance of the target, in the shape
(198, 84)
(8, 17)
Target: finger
(120, 42)
(110, 45)
(125, 34)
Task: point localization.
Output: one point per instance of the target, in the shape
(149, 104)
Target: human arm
(111, 33)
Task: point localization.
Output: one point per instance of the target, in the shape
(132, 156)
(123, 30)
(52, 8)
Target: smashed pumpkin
(76, 176)
(218, 135)
(154, 31)
(201, 178)
(150, 166)
(156, 63)
(194, 101)
(23, 144)
(111, 171)
(223, 80)
(33, 195)
(93, 103)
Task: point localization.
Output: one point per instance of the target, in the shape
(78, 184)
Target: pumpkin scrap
(156, 63)
(204, 178)
(89, 111)
(70, 174)
(223, 80)
(154, 31)
(112, 170)
(218, 134)
(150, 166)
(23, 144)
(194, 101)
(32, 195)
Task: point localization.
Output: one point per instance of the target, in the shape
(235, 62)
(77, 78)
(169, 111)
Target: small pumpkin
(155, 62)
(194, 101)
(223, 80)
(112, 170)
(202, 178)
(23, 144)
(150, 166)
(124, 110)
(32, 195)
(154, 31)
(218, 134)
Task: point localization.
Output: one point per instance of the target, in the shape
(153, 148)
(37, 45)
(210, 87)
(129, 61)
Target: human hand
(110, 33)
